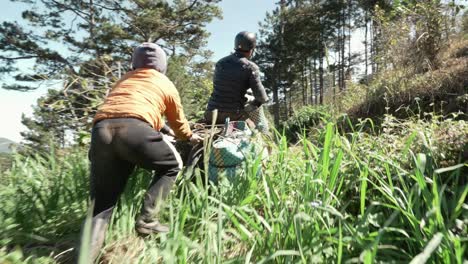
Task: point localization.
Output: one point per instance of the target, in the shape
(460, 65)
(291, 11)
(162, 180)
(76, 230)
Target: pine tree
(85, 45)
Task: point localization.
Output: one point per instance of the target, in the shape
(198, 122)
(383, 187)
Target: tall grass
(331, 198)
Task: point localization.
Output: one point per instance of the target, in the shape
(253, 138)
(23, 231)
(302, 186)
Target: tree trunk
(343, 44)
(339, 63)
(276, 112)
(375, 46)
(366, 48)
(302, 88)
(321, 78)
(305, 86)
(290, 111)
(315, 83)
(350, 9)
(277, 80)
(311, 80)
(321, 66)
(454, 17)
(334, 83)
(372, 51)
(91, 28)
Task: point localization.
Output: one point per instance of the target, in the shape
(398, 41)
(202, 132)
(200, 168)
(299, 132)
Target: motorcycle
(228, 147)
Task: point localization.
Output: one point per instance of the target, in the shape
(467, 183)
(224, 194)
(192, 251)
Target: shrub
(304, 121)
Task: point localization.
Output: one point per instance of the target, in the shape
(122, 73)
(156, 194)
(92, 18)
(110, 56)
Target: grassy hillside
(5, 145)
(404, 91)
(359, 197)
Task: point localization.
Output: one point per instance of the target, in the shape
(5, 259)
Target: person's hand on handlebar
(167, 130)
(251, 104)
(195, 139)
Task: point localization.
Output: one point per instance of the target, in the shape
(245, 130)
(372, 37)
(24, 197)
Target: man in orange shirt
(126, 134)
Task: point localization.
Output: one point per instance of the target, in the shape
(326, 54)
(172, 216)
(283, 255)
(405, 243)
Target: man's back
(146, 94)
(234, 74)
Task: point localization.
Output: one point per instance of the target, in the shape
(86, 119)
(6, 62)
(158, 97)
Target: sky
(238, 15)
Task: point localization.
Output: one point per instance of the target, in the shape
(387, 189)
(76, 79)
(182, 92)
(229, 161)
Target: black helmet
(245, 41)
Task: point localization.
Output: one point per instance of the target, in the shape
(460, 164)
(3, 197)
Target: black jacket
(234, 75)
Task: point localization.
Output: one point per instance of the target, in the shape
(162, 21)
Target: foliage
(465, 22)
(6, 160)
(95, 40)
(194, 82)
(404, 92)
(307, 58)
(46, 196)
(92, 31)
(304, 120)
(356, 197)
(415, 35)
(303, 45)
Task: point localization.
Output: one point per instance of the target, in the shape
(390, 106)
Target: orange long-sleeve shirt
(146, 94)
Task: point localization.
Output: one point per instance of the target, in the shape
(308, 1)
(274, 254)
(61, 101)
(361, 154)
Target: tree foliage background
(306, 54)
(83, 47)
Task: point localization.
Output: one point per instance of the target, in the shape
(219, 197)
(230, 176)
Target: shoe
(144, 228)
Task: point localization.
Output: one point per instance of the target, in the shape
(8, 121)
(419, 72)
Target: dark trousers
(117, 146)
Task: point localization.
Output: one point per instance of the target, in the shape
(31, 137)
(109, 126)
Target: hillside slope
(403, 93)
(5, 145)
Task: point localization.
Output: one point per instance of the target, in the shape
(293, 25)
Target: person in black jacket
(234, 75)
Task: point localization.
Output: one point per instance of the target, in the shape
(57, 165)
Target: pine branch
(79, 13)
(19, 58)
(188, 8)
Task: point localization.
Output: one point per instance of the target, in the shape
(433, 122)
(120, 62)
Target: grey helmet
(149, 55)
(245, 41)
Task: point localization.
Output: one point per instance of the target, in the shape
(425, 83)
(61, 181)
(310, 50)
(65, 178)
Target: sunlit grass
(330, 198)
